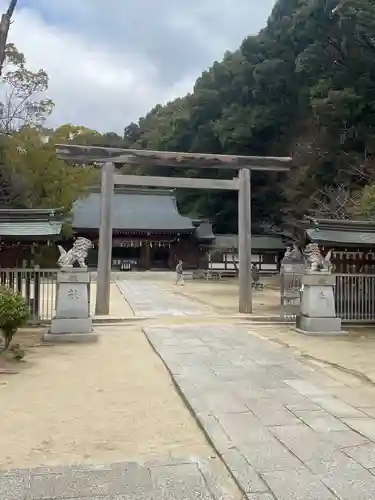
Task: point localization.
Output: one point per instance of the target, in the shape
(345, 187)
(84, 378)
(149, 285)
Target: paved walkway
(122, 481)
(119, 308)
(286, 430)
(148, 299)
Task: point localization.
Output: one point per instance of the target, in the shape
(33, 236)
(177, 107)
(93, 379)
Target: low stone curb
(98, 320)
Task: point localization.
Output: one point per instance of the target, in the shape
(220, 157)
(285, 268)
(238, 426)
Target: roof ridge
(348, 225)
(31, 215)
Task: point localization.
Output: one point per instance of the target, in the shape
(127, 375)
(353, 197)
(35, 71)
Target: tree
(48, 182)
(131, 134)
(30, 175)
(303, 87)
(23, 105)
(365, 203)
(76, 134)
(4, 30)
(334, 202)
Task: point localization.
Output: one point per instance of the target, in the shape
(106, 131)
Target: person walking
(179, 273)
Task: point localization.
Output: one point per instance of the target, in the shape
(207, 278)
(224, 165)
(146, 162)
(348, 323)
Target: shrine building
(23, 232)
(148, 230)
(352, 243)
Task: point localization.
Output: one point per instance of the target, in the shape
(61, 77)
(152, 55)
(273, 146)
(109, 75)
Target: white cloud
(89, 86)
(106, 78)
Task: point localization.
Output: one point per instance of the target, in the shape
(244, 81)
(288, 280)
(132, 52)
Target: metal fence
(354, 293)
(290, 290)
(355, 297)
(37, 287)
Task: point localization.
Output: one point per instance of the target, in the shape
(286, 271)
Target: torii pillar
(103, 282)
(245, 302)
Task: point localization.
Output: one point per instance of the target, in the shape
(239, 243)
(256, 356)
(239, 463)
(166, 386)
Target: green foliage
(14, 313)
(365, 207)
(47, 181)
(30, 175)
(303, 87)
(77, 134)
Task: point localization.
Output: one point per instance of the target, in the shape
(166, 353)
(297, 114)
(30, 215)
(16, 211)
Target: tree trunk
(4, 30)
(7, 341)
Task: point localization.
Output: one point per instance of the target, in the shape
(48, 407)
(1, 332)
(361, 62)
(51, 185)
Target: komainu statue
(315, 262)
(77, 253)
(293, 255)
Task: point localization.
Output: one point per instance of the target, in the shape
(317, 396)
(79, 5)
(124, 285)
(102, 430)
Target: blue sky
(110, 61)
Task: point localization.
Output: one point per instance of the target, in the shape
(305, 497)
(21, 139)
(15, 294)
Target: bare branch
(4, 30)
(333, 202)
(285, 231)
(22, 86)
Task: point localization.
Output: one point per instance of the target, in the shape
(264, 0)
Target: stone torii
(108, 157)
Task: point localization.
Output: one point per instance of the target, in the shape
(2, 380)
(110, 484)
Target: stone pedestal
(318, 312)
(72, 322)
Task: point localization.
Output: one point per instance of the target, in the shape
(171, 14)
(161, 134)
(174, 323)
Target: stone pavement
(148, 299)
(286, 429)
(119, 308)
(121, 481)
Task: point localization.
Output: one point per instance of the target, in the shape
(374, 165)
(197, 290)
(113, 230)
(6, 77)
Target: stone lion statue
(315, 260)
(292, 254)
(77, 253)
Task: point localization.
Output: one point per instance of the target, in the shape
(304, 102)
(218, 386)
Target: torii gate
(110, 156)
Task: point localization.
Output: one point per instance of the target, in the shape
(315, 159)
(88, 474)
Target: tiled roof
(30, 229)
(28, 224)
(362, 238)
(341, 232)
(204, 231)
(133, 210)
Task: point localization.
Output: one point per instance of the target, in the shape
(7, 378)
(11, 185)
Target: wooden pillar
(148, 256)
(170, 257)
(145, 256)
(244, 242)
(105, 242)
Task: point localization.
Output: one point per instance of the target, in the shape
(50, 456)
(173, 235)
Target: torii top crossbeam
(88, 154)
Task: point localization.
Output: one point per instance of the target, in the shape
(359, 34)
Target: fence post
(36, 304)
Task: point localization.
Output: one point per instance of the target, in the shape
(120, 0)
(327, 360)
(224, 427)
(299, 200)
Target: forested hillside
(305, 87)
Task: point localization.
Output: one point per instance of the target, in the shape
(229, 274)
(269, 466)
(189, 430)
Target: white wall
(227, 262)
